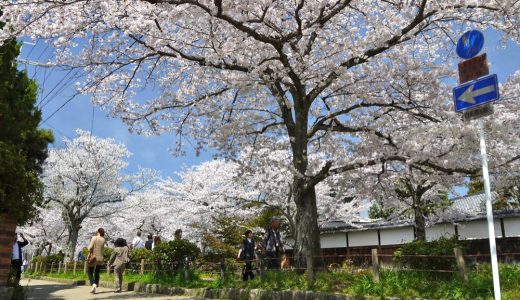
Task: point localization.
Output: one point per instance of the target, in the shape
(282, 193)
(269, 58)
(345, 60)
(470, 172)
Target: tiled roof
(462, 209)
(471, 205)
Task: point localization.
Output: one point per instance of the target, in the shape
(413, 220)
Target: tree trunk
(49, 249)
(72, 242)
(306, 219)
(420, 223)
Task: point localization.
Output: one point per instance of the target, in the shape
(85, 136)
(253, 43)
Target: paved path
(41, 289)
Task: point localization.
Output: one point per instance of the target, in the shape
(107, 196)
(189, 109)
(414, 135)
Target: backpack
(243, 254)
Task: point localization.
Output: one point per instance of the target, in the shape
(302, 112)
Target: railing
(375, 262)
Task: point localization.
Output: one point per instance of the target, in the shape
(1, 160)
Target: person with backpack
(137, 242)
(247, 255)
(272, 246)
(149, 243)
(118, 260)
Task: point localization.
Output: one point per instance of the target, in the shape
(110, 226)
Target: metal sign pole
(489, 211)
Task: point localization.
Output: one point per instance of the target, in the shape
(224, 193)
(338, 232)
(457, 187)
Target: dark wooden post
(375, 265)
(186, 268)
(461, 265)
(222, 268)
(261, 268)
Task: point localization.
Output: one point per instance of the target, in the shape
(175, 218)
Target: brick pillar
(7, 230)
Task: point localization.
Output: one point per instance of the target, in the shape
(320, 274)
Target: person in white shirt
(16, 258)
(137, 242)
(25, 264)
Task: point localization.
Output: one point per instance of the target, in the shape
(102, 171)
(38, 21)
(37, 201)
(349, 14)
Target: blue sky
(56, 89)
(152, 152)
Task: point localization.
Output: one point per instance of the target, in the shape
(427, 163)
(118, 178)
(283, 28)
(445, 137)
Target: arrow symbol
(470, 94)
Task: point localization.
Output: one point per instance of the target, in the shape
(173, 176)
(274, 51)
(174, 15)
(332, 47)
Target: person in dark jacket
(149, 243)
(272, 244)
(247, 255)
(17, 258)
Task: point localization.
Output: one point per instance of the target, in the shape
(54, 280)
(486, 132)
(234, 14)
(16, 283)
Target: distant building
(466, 217)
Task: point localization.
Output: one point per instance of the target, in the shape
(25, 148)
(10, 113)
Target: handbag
(91, 259)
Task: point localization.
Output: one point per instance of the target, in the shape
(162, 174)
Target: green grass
(393, 283)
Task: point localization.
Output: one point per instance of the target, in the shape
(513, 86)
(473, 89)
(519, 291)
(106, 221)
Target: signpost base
(478, 112)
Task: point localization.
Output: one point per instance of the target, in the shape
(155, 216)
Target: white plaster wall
(477, 230)
(440, 230)
(512, 227)
(395, 236)
(333, 240)
(362, 238)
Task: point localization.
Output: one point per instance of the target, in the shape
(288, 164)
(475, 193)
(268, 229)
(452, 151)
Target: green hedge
(136, 255)
(176, 251)
(56, 259)
(406, 255)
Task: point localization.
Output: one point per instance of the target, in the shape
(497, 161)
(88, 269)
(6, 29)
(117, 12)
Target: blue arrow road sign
(476, 92)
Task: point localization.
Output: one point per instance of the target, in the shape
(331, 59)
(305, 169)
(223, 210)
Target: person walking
(137, 242)
(81, 257)
(247, 255)
(25, 264)
(272, 244)
(118, 260)
(17, 257)
(95, 258)
(149, 243)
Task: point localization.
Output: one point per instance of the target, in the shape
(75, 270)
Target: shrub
(48, 260)
(136, 255)
(233, 265)
(217, 249)
(406, 255)
(176, 251)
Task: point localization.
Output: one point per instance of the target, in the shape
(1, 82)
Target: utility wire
(60, 108)
(54, 88)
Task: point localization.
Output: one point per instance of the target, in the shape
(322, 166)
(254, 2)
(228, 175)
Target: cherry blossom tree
(48, 232)
(317, 76)
(243, 188)
(84, 180)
